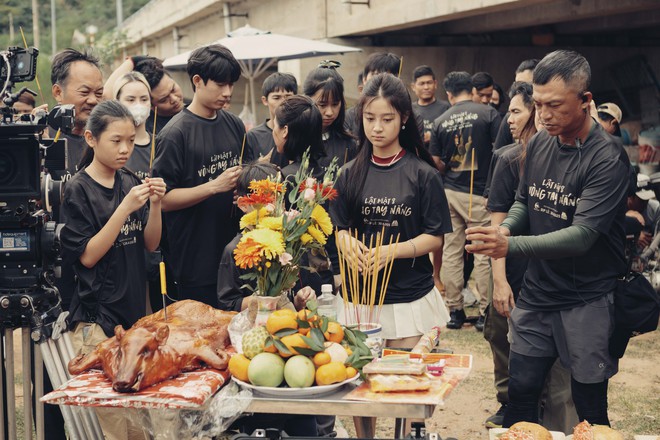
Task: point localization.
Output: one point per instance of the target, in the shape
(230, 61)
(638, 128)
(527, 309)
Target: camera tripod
(39, 316)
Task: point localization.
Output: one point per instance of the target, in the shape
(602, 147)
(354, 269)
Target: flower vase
(265, 306)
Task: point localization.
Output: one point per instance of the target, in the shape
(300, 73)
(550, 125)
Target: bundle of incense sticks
(364, 290)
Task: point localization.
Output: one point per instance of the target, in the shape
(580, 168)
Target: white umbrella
(257, 50)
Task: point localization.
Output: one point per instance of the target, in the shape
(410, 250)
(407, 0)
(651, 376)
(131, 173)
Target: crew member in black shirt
(198, 155)
(571, 202)
(462, 145)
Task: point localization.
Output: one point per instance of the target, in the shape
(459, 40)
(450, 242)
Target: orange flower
(256, 200)
(247, 253)
(266, 186)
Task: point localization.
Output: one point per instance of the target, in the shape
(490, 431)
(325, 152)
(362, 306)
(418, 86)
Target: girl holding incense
(109, 226)
(392, 194)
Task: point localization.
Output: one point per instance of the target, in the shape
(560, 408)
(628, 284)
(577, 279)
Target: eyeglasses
(329, 64)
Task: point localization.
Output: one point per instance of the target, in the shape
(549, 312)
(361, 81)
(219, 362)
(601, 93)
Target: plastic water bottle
(326, 302)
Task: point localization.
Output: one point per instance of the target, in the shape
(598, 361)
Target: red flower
(327, 191)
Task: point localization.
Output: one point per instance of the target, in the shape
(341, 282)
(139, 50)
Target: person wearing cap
(609, 117)
(644, 204)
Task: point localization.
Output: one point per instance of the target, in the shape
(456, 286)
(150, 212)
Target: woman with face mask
(132, 90)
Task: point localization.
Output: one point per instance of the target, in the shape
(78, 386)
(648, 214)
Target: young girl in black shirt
(326, 88)
(109, 226)
(393, 184)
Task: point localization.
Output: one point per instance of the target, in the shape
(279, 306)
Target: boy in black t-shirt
(274, 90)
(461, 145)
(427, 107)
(571, 202)
(198, 157)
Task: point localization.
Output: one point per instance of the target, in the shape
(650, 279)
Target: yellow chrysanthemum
(305, 239)
(322, 219)
(317, 234)
(272, 243)
(250, 219)
(274, 223)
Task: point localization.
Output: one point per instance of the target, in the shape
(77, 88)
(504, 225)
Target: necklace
(383, 161)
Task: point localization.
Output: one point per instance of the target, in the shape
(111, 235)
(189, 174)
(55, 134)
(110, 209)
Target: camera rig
(30, 248)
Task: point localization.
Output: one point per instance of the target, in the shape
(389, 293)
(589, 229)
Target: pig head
(154, 350)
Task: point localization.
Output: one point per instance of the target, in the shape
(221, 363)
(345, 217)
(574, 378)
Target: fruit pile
(300, 349)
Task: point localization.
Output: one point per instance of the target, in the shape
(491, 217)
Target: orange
(238, 367)
(321, 358)
(304, 331)
(281, 319)
(330, 373)
(335, 332)
(291, 341)
(304, 315)
(351, 372)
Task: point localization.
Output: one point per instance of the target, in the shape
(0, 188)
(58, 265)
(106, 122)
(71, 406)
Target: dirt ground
(634, 392)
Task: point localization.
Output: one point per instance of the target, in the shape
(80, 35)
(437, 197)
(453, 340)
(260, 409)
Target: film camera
(29, 238)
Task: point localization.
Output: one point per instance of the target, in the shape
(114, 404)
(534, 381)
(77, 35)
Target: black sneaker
(457, 319)
(479, 325)
(495, 421)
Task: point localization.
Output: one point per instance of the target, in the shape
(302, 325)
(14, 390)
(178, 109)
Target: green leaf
(317, 335)
(249, 276)
(285, 332)
(281, 347)
(314, 345)
(270, 341)
(306, 351)
(302, 323)
(324, 324)
(312, 305)
(350, 336)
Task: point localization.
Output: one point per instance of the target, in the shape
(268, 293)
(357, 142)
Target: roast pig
(194, 335)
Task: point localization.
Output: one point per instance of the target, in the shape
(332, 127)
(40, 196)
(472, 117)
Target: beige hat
(611, 109)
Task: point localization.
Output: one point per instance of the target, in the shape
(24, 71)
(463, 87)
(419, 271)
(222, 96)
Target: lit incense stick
(400, 67)
(36, 78)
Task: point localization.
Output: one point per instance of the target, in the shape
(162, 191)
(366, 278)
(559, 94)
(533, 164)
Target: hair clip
(329, 64)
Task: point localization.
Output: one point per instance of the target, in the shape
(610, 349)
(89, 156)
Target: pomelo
(266, 370)
(299, 372)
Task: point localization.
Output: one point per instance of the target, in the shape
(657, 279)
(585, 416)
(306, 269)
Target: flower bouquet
(276, 237)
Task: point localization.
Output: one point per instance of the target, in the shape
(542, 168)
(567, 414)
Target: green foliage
(71, 15)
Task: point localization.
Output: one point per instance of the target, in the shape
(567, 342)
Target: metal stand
(48, 331)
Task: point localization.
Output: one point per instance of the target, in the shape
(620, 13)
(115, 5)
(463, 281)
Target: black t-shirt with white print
(404, 198)
(429, 113)
(335, 145)
(464, 129)
(564, 186)
(191, 151)
(113, 291)
(260, 140)
(503, 184)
